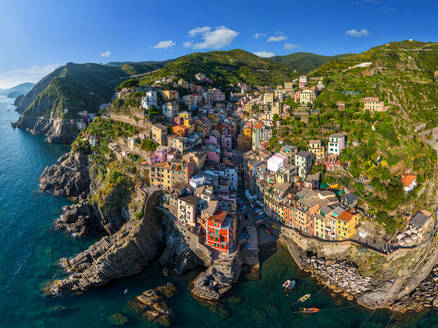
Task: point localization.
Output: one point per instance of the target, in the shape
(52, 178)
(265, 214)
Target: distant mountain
(305, 62)
(134, 68)
(225, 67)
(18, 90)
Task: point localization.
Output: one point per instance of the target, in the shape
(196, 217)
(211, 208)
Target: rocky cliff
(56, 130)
(122, 254)
(68, 177)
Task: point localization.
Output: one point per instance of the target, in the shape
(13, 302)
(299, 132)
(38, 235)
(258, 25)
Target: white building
(150, 99)
(337, 142)
(276, 162)
(304, 162)
(231, 174)
(307, 96)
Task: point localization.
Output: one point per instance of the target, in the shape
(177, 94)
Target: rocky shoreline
(56, 130)
(423, 297)
(339, 276)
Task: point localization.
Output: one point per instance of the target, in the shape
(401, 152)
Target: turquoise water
(30, 249)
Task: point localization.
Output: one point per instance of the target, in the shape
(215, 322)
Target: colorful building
(220, 232)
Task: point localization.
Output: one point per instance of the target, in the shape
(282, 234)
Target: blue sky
(38, 36)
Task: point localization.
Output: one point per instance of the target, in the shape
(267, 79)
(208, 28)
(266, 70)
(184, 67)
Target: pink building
(211, 140)
(213, 153)
(159, 156)
(297, 96)
(226, 142)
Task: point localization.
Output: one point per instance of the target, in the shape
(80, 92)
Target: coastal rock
(68, 177)
(218, 279)
(56, 130)
(80, 219)
(183, 252)
(151, 305)
(119, 255)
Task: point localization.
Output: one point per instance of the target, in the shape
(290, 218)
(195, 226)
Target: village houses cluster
(212, 150)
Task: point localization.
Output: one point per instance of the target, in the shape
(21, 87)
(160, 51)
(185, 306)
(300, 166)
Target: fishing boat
(289, 284)
(304, 298)
(309, 310)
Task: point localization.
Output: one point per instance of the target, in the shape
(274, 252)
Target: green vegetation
(304, 62)
(224, 68)
(149, 145)
(79, 87)
(134, 68)
(404, 75)
(75, 87)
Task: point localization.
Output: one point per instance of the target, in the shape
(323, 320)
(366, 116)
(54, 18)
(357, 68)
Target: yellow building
(268, 98)
(185, 115)
(316, 148)
(169, 95)
(346, 224)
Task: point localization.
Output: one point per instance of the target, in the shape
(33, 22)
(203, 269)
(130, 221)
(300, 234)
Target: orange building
(180, 130)
(220, 232)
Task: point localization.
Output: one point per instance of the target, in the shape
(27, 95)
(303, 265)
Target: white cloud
(105, 53)
(16, 76)
(164, 44)
(188, 44)
(265, 54)
(259, 35)
(199, 30)
(277, 38)
(291, 46)
(357, 33)
(221, 37)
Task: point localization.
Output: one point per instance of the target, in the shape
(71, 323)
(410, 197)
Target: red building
(221, 232)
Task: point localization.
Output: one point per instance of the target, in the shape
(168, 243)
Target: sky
(36, 37)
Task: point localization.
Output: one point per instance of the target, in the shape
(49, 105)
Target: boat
(125, 291)
(289, 284)
(309, 310)
(304, 298)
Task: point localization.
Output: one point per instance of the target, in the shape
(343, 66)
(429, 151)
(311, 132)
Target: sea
(30, 250)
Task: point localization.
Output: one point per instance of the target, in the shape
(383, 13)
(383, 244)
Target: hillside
(134, 68)
(18, 90)
(304, 62)
(73, 86)
(225, 67)
(404, 75)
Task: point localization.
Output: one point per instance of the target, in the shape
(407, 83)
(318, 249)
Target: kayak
(289, 284)
(304, 298)
(309, 310)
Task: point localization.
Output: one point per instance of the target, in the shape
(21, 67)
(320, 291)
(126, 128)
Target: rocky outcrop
(119, 255)
(152, 306)
(424, 295)
(183, 251)
(56, 130)
(68, 177)
(177, 257)
(219, 278)
(80, 219)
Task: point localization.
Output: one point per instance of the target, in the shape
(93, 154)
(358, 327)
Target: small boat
(125, 291)
(304, 298)
(309, 310)
(289, 284)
